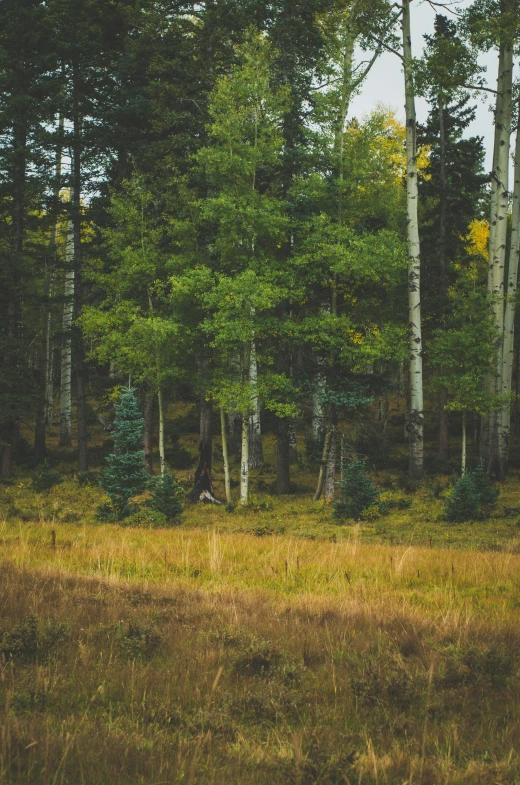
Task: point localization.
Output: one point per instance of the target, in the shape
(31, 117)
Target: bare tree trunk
(244, 458)
(415, 423)
(44, 403)
(162, 460)
(227, 479)
(501, 173)
(330, 474)
(66, 343)
(443, 424)
(318, 412)
(235, 433)
(244, 463)
(293, 443)
(509, 315)
(443, 214)
(323, 463)
(148, 431)
(256, 455)
(283, 474)
(463, 460)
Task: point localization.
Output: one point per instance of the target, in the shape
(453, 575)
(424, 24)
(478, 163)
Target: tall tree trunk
(323, 463)
(496, 450)
(244, 458)
(293, 443)
(44, 403)
(148, 431)
(66, 343)
(81, 371)
(510, 306)
(206, 432)
(283, 475)
(443, 215)
(162, 459)
(256, 454)
(330, 473)
(415, 425)
(318, 411)
(227, 479)
(463, 457)
(235, 433)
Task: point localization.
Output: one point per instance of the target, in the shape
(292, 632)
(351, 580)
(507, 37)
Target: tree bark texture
(225, 456)
(162, 459)
(148, 431)
(508, 354)
(415, 424)
(497, 447)
(283, 473)
(330, 474)
(256, 454)
(66, 343)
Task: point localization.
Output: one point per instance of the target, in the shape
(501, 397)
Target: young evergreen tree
(356, 492)
(126, 475)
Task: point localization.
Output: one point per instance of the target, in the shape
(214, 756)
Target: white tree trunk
(66, 345)
(244, 463)
(509, 314)
(498, 442)
(49, 364)
(318, 411)
(160, 401)
(415, 425)
(463, 466)
(227, 479)
(256, 455)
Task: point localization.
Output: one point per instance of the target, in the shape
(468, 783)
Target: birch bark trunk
(66, 343)
(256, 455)
(160, 403)
(330, 477)
(509, 315)
(443, 210)
(225, 456)
(244, 458)
(415, 425)
(498, 250)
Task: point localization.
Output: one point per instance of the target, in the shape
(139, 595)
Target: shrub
(137, 641)
(126, 474)
(31, 640)
(146, 518)
(357, 492)
(471, 497)
(91, 478)
(167, 496)
(46, 478)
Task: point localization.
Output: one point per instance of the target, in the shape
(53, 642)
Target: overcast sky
(385, 83)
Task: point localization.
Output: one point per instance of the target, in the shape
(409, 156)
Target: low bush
(46, 478)
(167, 497)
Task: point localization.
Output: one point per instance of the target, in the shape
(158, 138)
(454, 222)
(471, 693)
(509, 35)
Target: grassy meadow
(266, 645)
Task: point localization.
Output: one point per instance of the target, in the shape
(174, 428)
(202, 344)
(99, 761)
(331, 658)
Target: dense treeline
(187, 201)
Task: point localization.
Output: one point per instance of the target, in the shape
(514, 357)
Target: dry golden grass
(188, 656)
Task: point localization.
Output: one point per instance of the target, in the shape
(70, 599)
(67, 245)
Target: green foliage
(126, 476)
(31, 640)
(145, 518)
(357, 492)
(471, 498)
(137, 641)
(167, 496)
(46, 478)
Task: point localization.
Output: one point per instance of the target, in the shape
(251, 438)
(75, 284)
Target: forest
(259, 394)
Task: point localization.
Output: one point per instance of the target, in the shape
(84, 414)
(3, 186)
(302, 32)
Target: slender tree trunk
(283, 475)
(235, 433)
(244, 458)
(318, 412)
(323, 463)
(330, 474)
(148, 431)
(415, 423)
(463, 465)
(66, 343)
(227, 479)
(443, 214)
(160, 403)
(206, 432)
(256, 455)
(498, 449)
(509, 314)
(81, 372)
(244, 463)
(293, 443)
(44, 403)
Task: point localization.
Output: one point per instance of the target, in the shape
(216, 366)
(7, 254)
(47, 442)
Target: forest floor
(267, 645)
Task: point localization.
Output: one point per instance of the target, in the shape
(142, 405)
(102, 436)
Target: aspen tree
(415, 425)
(66, 342)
